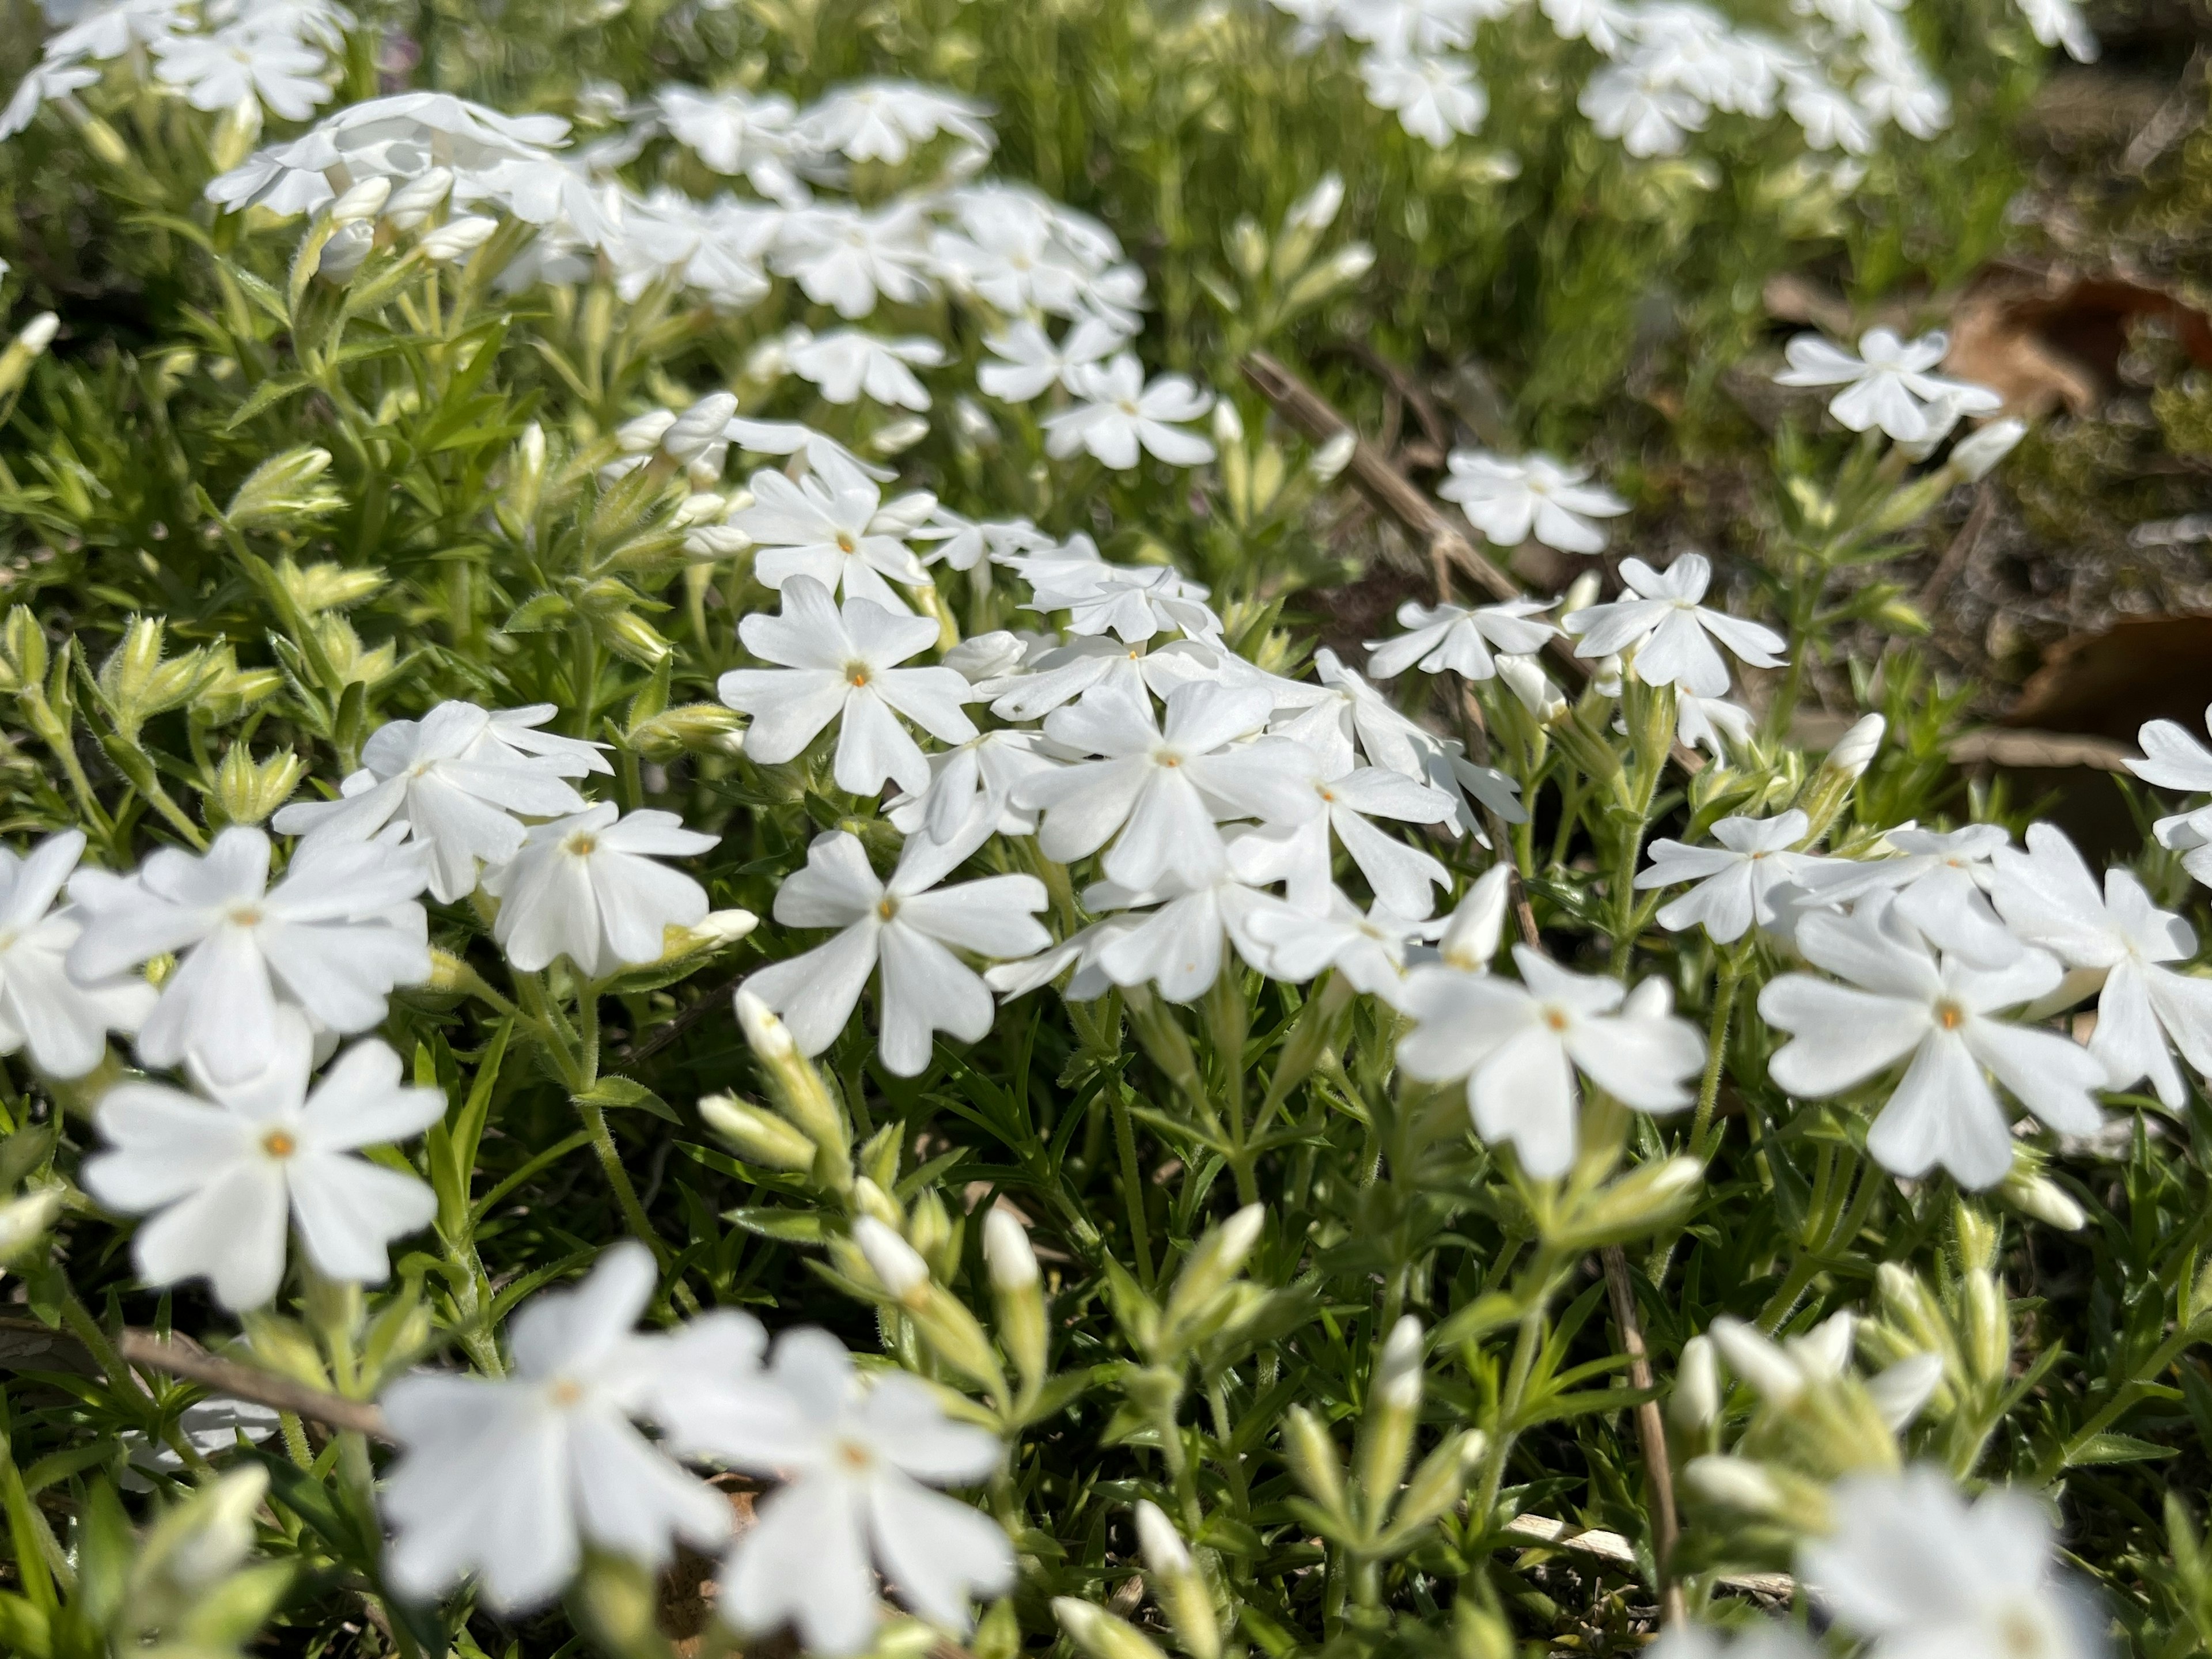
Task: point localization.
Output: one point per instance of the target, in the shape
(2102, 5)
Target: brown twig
(1399, 499)
(180, 1356)
(1651, 1432)
(1961, 549)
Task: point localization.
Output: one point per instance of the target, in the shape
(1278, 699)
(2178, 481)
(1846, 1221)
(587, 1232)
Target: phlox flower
(2173, 759)
(222, 69)
(56, 77)
(1712, 723)
(2060, 23)
(830, 525)
(1369, 949)
(1889, 383)
(221, 1171)
(1509, 500)
(964, 543)
(1402, 877)
(846, 258)
(971, 793)
(507, 1478)
(1901, 999)
(1784, 1372)
(1120, 413)
(1661, 620)
(1027, 363)
(847, 363)
(63, 1021)
(1641, 104)
(1134, 602)
(587, 887)
(1061, 673)
(1907, 1563)
(1437, 98)
(1163, 788)
(1940, 880)
(1455, 637)
(1079, 950)
(857, 1459)
(883, 120)
(454, 779)
(2145, 1010)
(333, 937)
(1177, 943)
(1519, 1045)
(842, 665)
(909, 928)
(1738, 879)
(736, 133)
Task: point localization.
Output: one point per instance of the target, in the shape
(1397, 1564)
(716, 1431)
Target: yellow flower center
(278, 1144)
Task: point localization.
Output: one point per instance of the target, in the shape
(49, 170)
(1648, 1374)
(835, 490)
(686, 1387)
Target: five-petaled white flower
(1452, 636)
(63, 1021)
(1299, 854)
(454, 778)
(1940, 880)
(1902, 998)
(1888, 384)
(908, 929)
(226, 1171)
(1671, 634)
(1368, 950)
(1167, 787)
(1132, 601)
(334, 936)
(1178, 945)
(1906, 1562)
(1437, 98)
(1518, 1045)
(1027, 363)
(2173, 759)
(828, 525)
(843, 666)
(507, 1478)
(587, 887)
(1121, 411)
(1736, 880)
(857, 1459)
(2048, 897)
(1510, 499)
(847, 363)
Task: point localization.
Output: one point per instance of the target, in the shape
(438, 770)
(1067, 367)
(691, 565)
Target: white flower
(1640, 104)
(1437, 98)
(1178, 945)
(1710, 723)
(334, 936)
(1510, 499)
(1299, 854)
(1132, 601)
(1519, 1045)
(1368, 950)
(1671, 634)
(1455, 637)
(507, 1478)
(212, 1426)
(224, 1172)
(453, 779)
(1903, 1000)
(963, 543)
(2060, 23)
(911, 931)
(1030, 363)
(853, 1458)
(1887, 385)
(883, 120)
(224, 70)
(2049, 899)
(41, 83)
(2172, 759)
(1766, 1640)
(587, 887)
(1736, 880)
(734, 134)
(1166, 787)
(844, 257)
(842, 666)
(845, 363)
(1784, 1371)
(831, 526)
(1062, 674)
(970, 796)
(1906, 1563)
(64, 1021)
(1940, 884)
(1121, 411)
(1080, 951)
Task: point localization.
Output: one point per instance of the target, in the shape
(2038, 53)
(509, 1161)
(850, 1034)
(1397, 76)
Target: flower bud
(1439, 1482)
(1394, 1405)
(642, 436)
(1855, 751)
(1177, 1584)
(38, 334)
(1988, 1326)
(345, 251)
(896, 437)
(1528, 682)
(1099, 1633)
(1312, 1457)
(1218, 1257)
(364, 201)
(1752, 1355)
(758, 1137)
(1317, 209)
(1696, 1405)
(419, 198)
(1735, 1483)
(898, 1267)
(284, 489)
(690, 435)
(248, 791)
(797, 1087)
(1645, 1198)
(1017, 1293)
(1471, 937)
(1975, 454)
(457, 238)
(26, 1220)
(1227, 424)
(1328, 462)
(2036, 1195)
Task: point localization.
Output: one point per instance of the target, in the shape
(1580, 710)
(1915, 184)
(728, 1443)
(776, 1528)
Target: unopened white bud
(898, 1267)
(1735, 1483)
(1166, 1553)
(1530, 684)
(1470, 937)
(1227, 424)
(2039, 1196)
(896, 437)
(986, 656)
(770, 1038)
(1581, 594)
(1696, 1405)
(1330, 461)
(364, 201)
(39, 333)
(1240, 1233)
(1317, 210)
(690, 433)
(1855, 751)
(642, 436)
(457, 237)
(419, 198)
(343, 254)
(1398, 1373)
(1973, 455)
(1006, 1252)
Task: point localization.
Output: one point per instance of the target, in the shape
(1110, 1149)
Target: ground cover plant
(794, 858)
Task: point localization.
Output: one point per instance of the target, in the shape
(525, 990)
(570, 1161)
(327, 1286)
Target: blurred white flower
(1452, 636)
(737, 133)
(1901, 1000)
(221, 1173)
(1177, 944)
(1132, 601)
(1121, 412)
(841, 665)
(1641, 104)
(211, 1427)
(2173, 759)
(1736, 880)
(909, 926)
(1888, 384)
(507, 1478)
(1437, 98)
(1162, 789)
(1661, 620)
(454, 780)
(1519, 1045)
(222, 69)
(883, 120)
(1906, 1564)
(1027, 362)
(334, 937)
(1369, 951)
(62, 1020)
(847, 363)
(856, 1460)
(2145, 1010)
(587, 887)
(846, 258)
(1509, 499)
(2060, 23)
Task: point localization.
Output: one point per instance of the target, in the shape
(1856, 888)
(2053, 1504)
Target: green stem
(610, 1157)
(1133, 1190)
(1702, 1142)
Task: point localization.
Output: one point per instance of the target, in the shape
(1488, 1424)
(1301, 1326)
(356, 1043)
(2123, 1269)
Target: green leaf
(615, 1093)
(2117, 1449)
(787, 1226)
